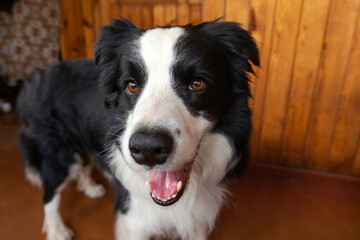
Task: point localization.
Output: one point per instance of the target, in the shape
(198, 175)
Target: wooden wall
(306, 104)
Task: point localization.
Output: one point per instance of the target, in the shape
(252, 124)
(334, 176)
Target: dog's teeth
(179, 185)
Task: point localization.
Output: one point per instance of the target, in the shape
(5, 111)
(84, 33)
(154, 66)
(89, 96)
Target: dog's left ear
(109, 48)
(112, 37)
(240, 48)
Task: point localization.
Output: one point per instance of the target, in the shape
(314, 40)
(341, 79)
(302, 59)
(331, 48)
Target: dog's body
(164, 113)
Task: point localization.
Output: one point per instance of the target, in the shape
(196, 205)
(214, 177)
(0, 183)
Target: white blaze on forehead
(157, 50)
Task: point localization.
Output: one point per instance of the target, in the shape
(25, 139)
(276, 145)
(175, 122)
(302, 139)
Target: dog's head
(168, 88)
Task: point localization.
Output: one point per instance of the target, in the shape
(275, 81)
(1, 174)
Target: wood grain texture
(170, 15)
(264, 20)
(183, 14)
(116, 10)
(159, 15)
(97, 18)
(149, 2)
(355, 168)
(195, 14)
(283, 48)
(213, 9)
(238, 11)
(106, 13)
(88, 26)
(135, 15)
(147, 17)
(347, 126)
(309, 48)
(338, 43)
(72, 40)
(194, 1)
(123, 11)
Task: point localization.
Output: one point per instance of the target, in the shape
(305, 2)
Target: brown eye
(197, 85)
(132, 87)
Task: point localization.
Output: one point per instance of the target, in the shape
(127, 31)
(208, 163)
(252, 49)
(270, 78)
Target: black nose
(150, 148)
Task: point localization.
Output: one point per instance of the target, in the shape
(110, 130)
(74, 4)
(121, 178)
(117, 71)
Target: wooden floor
(267, 203)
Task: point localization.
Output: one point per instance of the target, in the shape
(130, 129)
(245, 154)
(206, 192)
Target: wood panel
(159, 16)
(347, 126)
(147, 17)
(213, 9)
(308, 54)
(108, 10)
(338, 43)
(170, 15)
(115, 10)
(306, 106)
(72, 39)
(195, 14)
(242, 15)
(264, 11)
(355, 168)
(88, 23)
(287, 18)
(183, 14)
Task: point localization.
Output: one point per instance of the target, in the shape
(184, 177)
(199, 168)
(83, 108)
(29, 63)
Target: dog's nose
(150, 148)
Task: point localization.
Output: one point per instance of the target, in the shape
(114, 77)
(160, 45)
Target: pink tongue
(163, 184)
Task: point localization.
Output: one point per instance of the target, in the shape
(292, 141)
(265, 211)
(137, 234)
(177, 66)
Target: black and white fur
(75, 109)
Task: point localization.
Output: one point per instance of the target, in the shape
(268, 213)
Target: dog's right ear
(112, 37)
(108, 51)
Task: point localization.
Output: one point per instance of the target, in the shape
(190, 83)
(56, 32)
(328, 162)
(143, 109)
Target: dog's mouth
(167, 187)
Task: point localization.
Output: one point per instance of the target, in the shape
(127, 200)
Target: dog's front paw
(58, 232)
(95, 191)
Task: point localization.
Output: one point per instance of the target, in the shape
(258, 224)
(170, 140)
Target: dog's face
(170, 87)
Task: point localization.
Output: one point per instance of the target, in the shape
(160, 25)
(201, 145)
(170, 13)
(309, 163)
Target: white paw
(95, 191)
(58, 232)
(33, 177)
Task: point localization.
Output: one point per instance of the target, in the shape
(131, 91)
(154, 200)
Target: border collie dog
(163, 112)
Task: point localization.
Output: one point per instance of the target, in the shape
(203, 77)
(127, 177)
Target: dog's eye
(132, 87)
(197, 85)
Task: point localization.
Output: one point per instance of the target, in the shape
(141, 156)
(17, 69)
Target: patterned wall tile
(29, 38)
